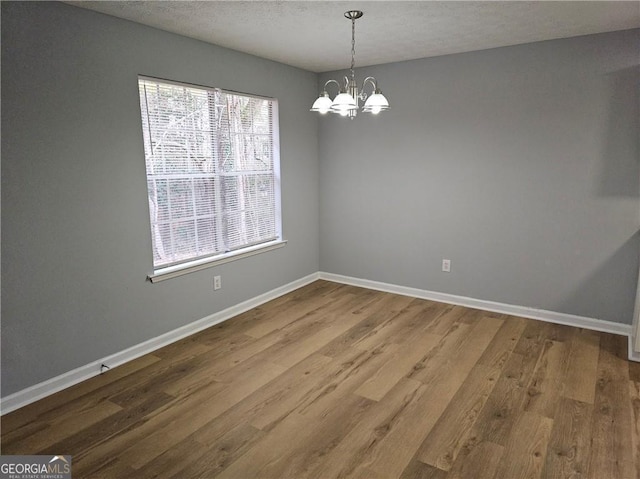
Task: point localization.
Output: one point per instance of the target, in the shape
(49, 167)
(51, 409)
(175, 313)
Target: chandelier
(346, 101)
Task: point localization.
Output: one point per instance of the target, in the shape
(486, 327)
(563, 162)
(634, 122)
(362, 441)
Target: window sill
(186, 268)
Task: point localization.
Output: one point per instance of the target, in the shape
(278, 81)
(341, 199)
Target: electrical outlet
(446, 265)
(217, 282)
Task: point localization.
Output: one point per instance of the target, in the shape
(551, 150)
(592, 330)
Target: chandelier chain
(353, 46)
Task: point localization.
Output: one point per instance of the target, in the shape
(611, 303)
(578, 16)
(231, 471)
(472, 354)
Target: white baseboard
(58, 383)
(522, 311)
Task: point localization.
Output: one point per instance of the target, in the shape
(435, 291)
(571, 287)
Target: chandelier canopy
(346, 102)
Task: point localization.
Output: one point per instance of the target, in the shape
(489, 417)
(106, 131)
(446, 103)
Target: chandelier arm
(373, 82)
(328, 82)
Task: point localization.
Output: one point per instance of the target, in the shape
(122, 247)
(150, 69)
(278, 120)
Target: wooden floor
(336, 381)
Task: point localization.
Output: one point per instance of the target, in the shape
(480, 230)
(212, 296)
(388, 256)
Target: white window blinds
(212, 170)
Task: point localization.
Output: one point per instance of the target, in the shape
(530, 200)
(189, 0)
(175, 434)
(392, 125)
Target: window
(212, 171)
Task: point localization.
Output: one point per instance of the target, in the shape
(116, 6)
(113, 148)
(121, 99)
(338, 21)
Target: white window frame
(173, 270)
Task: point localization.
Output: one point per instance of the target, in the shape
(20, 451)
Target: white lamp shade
(376, 103)
(344, 102)
(322, 104)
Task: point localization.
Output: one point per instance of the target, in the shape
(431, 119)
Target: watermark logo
(35, 467)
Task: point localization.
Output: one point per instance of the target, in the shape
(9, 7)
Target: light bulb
(375, 110)
(343, 112)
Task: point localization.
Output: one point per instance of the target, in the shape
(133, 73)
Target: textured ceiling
(314, 35)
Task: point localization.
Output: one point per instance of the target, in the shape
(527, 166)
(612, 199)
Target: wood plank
(314, 336)
(634, 394)
(185, 348)
(611, 454)
(277, 346)
(155, 381)
(172, 462)
(420, 470)
(109, 426)
(506, 402)
(111, 468)
(559, 332)
(282, 304)
(454, 431)
(389, 306)
(94, 454)
(389, 328)
(239, 348)
(304, 440)
(447, 348)
(417, 321)
(525, 454)
(353, 452)
(570, 444)
(208, 462)
(463, 349)
(477, 462)
(270, 404)
(59, 428)
(448, 315)
(343, 375)
(543, 391)
(634, 371)
(298, 310)
(366, 473)
(132, 388)
(443, 444)
(582, 366)
(396, 446)
(269, 345)
(472, 315)
(503, 343)
(310, 386)
(184, 424)
(23, 432)
(168, 426)
(57, 404)
(397, 366)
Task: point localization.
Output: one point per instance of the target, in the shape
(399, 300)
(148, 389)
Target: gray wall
(76, 246)
(518, 164)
